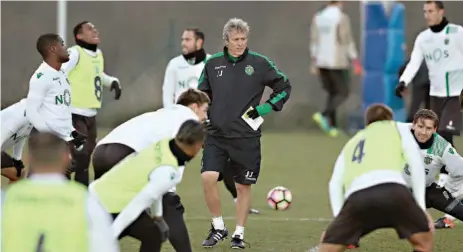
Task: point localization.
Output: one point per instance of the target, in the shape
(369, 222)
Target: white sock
(217, 222)
(235, 200)
(450, 217)
(239, 231)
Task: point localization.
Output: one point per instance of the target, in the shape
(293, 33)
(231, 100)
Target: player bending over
(437, 152)
(141, 180)
(15, 130)
(144, 130)
(368, 190)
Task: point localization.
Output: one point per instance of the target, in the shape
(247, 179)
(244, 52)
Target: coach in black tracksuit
(235, 80)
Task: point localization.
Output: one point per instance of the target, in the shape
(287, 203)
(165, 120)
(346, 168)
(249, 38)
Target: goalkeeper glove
(117, 87)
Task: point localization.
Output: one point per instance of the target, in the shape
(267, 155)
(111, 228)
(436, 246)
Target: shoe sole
(211, 246)
(237, 248)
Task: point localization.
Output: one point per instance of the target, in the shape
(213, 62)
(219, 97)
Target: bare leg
(422, 242)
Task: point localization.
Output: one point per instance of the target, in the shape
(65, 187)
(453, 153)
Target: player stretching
(49, 98)
(56, 214)
(144, 130)
(367, 188)
(441, 46)
(140, 180)
(182, 73)
(15, 130)
(437, 152)
(85, 69)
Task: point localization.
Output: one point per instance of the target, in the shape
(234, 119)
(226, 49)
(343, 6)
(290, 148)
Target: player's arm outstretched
(336, 186)
(416, 59)
(160, 181)
(101, 235)
(106, 80)
(414, 159)
(169, 85)
(453, 162)
(454, 165)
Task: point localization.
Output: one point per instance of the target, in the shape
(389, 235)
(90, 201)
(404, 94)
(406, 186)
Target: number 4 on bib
(358, 152)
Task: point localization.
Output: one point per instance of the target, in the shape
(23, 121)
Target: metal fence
(139, 38)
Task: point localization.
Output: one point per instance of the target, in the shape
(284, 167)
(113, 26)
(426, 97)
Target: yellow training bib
(85, 79)
(123, 182)
(376, 147)
(44, 217)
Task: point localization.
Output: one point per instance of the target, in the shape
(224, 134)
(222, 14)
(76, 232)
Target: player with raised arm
(141, 180)
(367, 188)
(437, 152)
(49, 97)
(45, 203)
(441, 46)
(144, 130)
(85, 69)
(15, 130)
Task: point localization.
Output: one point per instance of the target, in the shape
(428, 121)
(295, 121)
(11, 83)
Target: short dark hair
(191, 96)
(78, 28)
(45, 41)
(198, 33)
(378, 112)
(423, 114)
(439, 4)
(46, 148)
(191, 132)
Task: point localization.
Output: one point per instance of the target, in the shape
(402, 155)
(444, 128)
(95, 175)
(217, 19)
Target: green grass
(303, 163)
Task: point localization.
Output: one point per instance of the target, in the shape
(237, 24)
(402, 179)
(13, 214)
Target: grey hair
(235, 24)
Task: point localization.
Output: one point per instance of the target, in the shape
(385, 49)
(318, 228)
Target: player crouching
(367, 188)
(15, 130)
(141, 180)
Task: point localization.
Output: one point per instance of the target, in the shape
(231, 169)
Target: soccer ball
(279, 198)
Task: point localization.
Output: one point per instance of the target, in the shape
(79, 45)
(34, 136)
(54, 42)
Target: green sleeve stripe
(271, 64)
(217, 55)
(278, 97)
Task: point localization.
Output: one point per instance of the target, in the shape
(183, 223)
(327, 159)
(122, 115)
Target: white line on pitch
(262, 218)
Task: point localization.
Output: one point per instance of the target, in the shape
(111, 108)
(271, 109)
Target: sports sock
(235, 199)
(217, 222)
(239, 231)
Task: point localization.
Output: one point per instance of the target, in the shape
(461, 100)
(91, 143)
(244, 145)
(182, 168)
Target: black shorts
(106, 156)
(383, 206)
(448, 111)
(244, 155)
(7, 160)
(440, 199)
(335, 81)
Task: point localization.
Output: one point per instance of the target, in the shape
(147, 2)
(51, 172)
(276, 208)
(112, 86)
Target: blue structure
(383, 54)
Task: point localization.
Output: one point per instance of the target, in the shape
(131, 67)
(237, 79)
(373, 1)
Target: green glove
(260, 110)
(264, 109)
